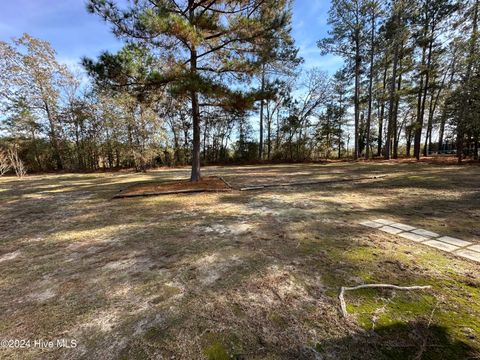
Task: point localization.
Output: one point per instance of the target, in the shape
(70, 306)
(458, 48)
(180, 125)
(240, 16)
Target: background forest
(221, 82)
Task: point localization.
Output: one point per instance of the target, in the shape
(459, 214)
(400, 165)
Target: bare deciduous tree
(4, 162)
(16, 162)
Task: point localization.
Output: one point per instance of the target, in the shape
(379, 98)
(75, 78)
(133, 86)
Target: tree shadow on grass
(400, 341)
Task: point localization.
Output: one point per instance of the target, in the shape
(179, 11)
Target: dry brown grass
(252, 275)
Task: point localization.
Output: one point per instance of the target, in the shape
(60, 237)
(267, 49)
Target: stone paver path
(446, 243)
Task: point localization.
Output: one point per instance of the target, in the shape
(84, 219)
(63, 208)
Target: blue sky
(310, 25)
(74, 33)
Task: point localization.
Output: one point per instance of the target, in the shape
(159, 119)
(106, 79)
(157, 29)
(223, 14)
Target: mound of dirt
(206, 184)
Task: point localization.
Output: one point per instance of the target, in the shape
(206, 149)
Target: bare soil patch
(206, 184)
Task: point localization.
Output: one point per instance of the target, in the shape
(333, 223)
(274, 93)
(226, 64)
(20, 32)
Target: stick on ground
(343, 306)
(319, 182)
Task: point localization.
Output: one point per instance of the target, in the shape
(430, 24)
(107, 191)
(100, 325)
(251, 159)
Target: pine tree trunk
(441, 131)
(370, 86)
(396, 134)
(357, 93)
(428, 136)
(426, 88)
(205, 135)
(473, 41)
(176, 149)
(195, 175)
(260, 145)
(393, 85)
(409, 142)
(443, 119)
(382, 112)
(339, 141)
(419, 121)
(117, 157)
(418, 132)
(340, 129)
(277, 137)
(269, 132)
(475, 148)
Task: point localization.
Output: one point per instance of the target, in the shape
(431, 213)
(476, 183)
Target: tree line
(414, 70)
(204, 82)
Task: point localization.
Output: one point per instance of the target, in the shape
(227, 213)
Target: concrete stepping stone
(372, 224)
(384, 221)
(454, 241)
(424, 232)
(403, 226)
(469, 254)
(446, 243)
(390, 230)
(413, 237)
(441, 245)
(474, 248)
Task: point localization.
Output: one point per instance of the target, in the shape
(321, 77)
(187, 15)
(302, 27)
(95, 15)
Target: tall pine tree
(201, 46)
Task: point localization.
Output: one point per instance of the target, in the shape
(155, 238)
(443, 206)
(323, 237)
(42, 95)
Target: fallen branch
(343, 306)
(168, 192)
(225, 181)
(303, 183)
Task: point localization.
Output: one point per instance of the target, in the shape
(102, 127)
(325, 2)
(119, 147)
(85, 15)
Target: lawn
(240, 274)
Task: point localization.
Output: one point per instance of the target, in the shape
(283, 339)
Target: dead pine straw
(206, 184)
